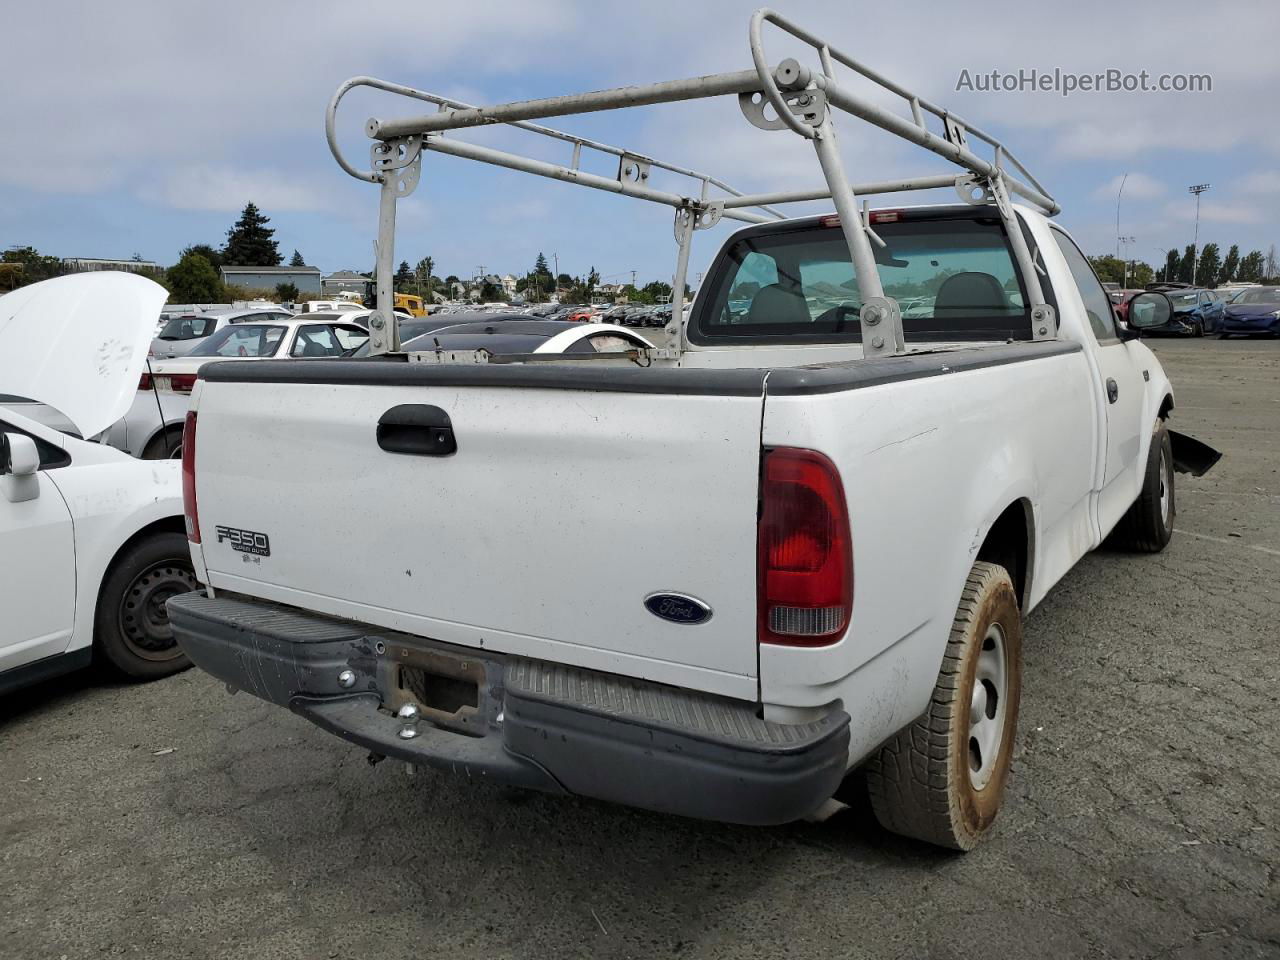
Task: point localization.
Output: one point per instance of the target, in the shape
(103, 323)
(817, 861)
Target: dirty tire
(164, 445)
(131, 634)
(923, 783)
(1148, 524)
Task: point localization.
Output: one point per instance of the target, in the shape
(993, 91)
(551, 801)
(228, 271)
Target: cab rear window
(954, 279)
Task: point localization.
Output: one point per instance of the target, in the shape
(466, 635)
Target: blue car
(1195, 312)
(1255, 310)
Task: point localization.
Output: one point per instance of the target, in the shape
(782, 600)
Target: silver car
(182, 334)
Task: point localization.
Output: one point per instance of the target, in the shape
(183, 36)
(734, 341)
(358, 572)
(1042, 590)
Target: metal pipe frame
(996, 177)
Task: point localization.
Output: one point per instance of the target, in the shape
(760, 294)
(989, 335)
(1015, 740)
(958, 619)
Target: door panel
(37, 577)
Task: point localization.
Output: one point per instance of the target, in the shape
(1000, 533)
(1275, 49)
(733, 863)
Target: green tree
(404, 276)
(250, 241)
(423, 271)
(1251, 267)
(1170, 270)
(286, 292)
(1231, 265)
(1140, 274)
(593, 279)
(1209, 266)
(1271, 267)
(33, 265)
(209, 253)
(658, 290)
(296, 260)
(1108, 268)
(490, 292)
(1186, 264)
(193, 280)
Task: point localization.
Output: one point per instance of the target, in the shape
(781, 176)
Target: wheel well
(1166, 406)
(1009, 543)
(167, 525)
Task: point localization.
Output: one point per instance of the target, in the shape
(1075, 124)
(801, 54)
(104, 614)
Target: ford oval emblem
(677, 607)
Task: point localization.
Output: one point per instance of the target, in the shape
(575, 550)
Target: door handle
(417, 429)
(1113, 390)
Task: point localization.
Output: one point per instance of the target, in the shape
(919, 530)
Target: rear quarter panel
(928, 465)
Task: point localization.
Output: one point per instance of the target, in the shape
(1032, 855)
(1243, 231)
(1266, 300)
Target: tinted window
(1097, 305)
(187, 328)
(953, 279)
(51, 455)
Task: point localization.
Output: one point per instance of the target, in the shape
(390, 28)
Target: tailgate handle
(418, 429)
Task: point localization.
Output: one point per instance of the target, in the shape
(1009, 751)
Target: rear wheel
(1148, 525)
(1197, 328)
(131, 624)
(165, 445)
(942, 779)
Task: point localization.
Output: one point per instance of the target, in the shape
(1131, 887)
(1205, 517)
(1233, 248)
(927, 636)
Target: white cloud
(225, 188)
(1137, 186)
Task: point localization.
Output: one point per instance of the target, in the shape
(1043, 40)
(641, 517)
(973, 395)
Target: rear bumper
(518, 721)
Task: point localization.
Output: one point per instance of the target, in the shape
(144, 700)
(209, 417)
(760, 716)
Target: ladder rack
(802, 99)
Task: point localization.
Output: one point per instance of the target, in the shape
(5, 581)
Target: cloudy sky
(143, 126)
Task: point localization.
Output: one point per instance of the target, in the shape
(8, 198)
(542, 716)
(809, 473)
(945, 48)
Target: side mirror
(19, 463)
(1148, 310)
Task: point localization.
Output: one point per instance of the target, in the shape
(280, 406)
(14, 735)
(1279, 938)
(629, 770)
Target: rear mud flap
(1191, 456)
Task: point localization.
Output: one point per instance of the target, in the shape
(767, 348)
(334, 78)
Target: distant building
(343, 281)
(306, 279)
(92, 264)
(509, 285)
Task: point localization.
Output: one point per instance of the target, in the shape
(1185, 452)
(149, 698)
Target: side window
(351, 337)
(316, 340)
(756, 272)
(51, 456)
(1097, 304)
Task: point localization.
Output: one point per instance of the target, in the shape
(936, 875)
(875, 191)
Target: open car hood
(79, 343)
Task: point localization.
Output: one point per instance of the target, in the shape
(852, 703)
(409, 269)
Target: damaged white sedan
(91, 540)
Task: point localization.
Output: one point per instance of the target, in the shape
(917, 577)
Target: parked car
(1196, 312)
(92, 539)
(1254, 310)
(302, 337)
(359, 317)
(1120, 299)
(182, 334)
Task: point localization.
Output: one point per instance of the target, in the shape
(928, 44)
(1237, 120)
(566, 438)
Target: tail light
(145, 382)
(805, 558)
(182, 382)
(189, 478)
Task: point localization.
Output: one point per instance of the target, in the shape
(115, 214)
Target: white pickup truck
(838, 542)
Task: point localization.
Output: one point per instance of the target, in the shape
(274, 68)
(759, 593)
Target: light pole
(1197, 189)
(1164, 254)
(1125, 260)
(1118, 193)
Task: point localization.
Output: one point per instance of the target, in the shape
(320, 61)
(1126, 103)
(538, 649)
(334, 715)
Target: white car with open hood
(91, 540)
(815, 520)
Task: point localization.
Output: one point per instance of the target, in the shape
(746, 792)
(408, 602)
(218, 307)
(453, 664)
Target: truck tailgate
(561, 510)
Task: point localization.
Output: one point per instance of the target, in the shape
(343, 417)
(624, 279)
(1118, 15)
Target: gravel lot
(1143, 817)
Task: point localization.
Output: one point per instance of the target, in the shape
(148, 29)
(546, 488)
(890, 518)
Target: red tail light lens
(182, 382)
(189, 478)
(145, 382)
(805, 559)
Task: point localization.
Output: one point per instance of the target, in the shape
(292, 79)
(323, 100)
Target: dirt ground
(1143, 815)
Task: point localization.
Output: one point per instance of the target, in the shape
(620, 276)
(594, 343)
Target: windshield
(1263, 295)
(187, 328)
(1184, 299)
(953, 280)
(241, 340)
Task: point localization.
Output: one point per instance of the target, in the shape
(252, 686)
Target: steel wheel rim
(987, 707)
(142, 616)
(1165, 499)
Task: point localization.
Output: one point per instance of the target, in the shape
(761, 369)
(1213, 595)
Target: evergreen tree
(1187, 264)
(296, 260)
(1209, 265)
(1271, 268)
(1231, 265)
(1251, 267)
(1170, 271)
(250, 243)
(404, 276)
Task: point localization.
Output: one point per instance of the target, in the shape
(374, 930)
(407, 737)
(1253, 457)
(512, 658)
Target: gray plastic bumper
(524, 722)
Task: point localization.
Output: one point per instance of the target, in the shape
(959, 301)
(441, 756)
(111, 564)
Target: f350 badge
(245, 541)
(677, 607)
